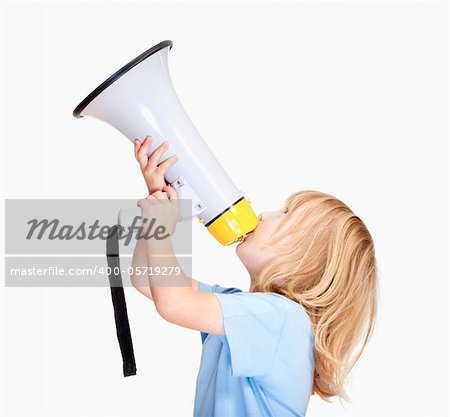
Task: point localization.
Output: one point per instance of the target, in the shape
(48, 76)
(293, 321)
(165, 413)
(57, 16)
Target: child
(312, 298)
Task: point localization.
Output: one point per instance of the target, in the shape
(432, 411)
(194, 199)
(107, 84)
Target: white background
(346, 98)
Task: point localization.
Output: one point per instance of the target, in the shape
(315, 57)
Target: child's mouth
(244, 238)
(248, 234)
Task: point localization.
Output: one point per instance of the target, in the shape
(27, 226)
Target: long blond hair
(329, 267)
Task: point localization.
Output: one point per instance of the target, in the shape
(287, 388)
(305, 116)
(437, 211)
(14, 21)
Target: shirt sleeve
(253, 325)
(214, 289)
(202, 287)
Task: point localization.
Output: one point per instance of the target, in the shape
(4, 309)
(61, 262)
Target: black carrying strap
(119, 304)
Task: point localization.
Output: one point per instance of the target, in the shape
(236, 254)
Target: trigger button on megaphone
(178, 182)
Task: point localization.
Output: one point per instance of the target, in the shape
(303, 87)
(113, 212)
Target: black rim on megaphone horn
(105, 84)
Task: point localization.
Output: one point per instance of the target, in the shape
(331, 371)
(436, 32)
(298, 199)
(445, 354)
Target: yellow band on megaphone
(234, 223)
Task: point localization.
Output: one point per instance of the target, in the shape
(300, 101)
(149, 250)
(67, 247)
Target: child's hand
(164, 209)
(152, 172)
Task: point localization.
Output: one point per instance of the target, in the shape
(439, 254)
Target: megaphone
(139, 100)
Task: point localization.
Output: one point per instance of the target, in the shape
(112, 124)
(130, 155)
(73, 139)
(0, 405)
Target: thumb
(142, 202)
(171, 192)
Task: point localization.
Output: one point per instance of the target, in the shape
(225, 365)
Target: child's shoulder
(275, 300)
(291, 309)
(286, 303)
(262, 302)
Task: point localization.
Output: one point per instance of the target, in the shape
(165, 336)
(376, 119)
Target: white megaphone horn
(140, 100)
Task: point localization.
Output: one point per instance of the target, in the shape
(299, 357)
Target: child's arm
(139, 264)
(182, 305)
(172, 292)
(154, 179)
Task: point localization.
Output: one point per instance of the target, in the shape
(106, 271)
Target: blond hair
(329, 267)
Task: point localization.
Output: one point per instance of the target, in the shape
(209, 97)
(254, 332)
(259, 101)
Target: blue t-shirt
(264, 365)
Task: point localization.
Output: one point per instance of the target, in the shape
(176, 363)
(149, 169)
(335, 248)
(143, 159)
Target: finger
(158, 195)
(171, 192)
(154, 157)
(137, 145)
(164, 166)
(142, 202)
(142, 153)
